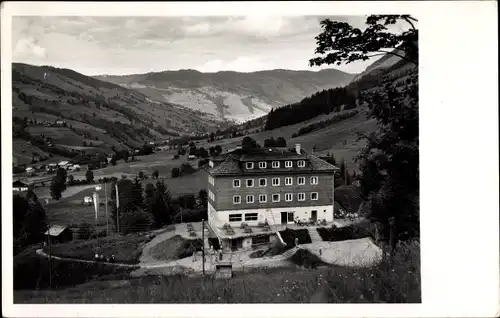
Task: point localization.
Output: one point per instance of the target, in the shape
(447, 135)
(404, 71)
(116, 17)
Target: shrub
(351, 232)
(243, 225)
(289, 236)
(191, 215)
(307, 259)
(134, 221)
(176, 172)
(188, 247)
(186, 168)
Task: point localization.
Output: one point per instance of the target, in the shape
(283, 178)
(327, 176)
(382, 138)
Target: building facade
(272, 186)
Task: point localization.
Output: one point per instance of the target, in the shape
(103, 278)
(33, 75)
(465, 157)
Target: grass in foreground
(390, 282)
(127, 249)
(31, 272)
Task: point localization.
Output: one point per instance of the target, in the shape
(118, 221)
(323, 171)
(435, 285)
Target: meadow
(339, 138)
(395, 280)
(70, 211)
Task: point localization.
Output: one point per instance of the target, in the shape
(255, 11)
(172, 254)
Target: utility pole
(50, 257)
(106, 207)
(203, 244)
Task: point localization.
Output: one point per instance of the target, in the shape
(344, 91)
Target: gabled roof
(55, 230)
(229, 166)
(232, 165)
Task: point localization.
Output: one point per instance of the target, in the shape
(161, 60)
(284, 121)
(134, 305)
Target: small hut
(223, 270)
(59, 234)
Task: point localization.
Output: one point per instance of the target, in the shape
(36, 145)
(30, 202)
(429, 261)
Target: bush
(307, 259)
(134, 221)
(191, 215)
(289, 236)
(175, 172)
(351, 232)
(186, 168)
(188, 247)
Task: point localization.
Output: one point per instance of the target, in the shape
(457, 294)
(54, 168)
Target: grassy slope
(127, 249)
(392, 283)
(75, 97)
(328, 139)
(233, 94)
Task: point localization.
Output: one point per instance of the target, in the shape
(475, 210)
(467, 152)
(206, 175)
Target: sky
(133, 45)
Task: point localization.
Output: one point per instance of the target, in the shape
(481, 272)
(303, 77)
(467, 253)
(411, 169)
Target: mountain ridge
(231, 95)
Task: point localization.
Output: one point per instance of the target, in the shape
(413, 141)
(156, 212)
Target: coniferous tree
(58, 184)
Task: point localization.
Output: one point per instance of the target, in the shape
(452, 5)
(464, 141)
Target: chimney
(297, 148)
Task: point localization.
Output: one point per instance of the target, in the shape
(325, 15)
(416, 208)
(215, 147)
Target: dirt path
(43, 254)
(146, 257)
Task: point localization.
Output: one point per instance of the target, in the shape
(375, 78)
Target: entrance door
(314, 215)
(236, 244)
(284, 217)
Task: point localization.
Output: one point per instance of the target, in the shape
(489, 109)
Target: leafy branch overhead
(341, 43)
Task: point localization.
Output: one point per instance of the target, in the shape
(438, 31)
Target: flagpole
(117, 210)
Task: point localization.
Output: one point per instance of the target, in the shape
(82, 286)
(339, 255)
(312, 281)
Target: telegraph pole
(106, 207)
(50, 257)
(203, 249)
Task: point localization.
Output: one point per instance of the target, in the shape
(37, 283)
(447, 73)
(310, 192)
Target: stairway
(273, 225)
(313, 233)
(290, 252)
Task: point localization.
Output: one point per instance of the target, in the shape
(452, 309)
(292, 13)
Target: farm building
(19, 186)
(59, 234)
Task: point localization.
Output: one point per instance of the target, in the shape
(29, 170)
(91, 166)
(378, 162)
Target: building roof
(233, 165)
(55, 230)
(256, 154)
(19, 183)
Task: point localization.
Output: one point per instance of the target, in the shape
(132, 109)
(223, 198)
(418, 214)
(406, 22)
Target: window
(276, 182)
(288, 197)
(276, 198)
(236, 199)
(235, 218)
(262, 197)
(314, 195)
(249, 165)
(249, 183)
(288, 164)
(276, 164)
(251, 216)
(290, 216)
(236, 183)
(301, 164)
(314, 180)
(262, 182)
(249, 198)
(288, 181)
(301, 180)
(262, 165)
(301, 196)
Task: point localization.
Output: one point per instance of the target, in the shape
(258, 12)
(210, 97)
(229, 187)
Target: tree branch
(408, 20)
(401, 56)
